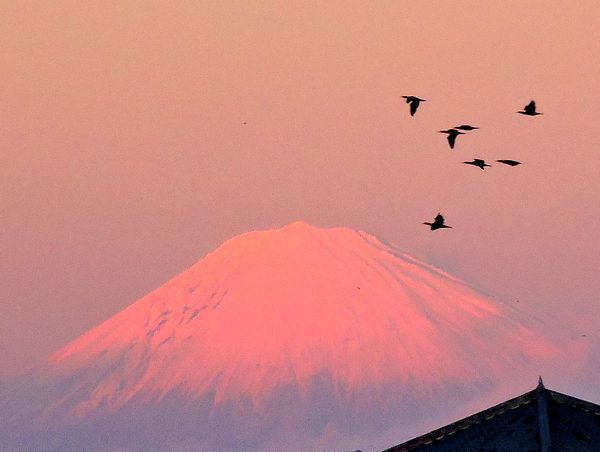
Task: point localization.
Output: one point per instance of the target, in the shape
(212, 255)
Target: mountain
(290, 339)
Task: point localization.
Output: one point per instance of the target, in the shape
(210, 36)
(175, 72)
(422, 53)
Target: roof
(539, 420)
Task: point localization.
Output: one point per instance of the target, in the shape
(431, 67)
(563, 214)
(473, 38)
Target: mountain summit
(298, 337)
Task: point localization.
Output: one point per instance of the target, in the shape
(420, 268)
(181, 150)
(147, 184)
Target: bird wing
(509, 162)
(451, 140)
(413, 107)
(530, 107)
(439, 219)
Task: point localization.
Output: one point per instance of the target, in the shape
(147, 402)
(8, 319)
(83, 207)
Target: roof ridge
(575, 402)
(544, 399)
(542, 415)
(466, 422)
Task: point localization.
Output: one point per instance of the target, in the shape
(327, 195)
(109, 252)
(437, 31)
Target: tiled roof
(539, 420)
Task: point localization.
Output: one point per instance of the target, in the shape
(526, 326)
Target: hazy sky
(124, 157)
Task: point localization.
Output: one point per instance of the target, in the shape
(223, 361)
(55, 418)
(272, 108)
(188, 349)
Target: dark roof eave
(464, 423)
(524, 399)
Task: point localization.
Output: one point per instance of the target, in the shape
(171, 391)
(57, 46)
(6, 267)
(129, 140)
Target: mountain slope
(293, 336)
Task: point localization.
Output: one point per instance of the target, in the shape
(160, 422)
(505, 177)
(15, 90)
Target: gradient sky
(124, 157)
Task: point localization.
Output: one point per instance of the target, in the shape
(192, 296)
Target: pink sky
(125, 160)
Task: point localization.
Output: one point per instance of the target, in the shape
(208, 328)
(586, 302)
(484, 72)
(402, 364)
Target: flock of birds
(414, 102)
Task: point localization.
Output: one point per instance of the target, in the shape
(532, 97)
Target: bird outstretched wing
(509, 162)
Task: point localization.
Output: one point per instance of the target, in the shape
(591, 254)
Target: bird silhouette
(466, 127)
(414, 103)
(529, 109)
(452, 134)
(478, 163)
(509, 162)
(438, 223)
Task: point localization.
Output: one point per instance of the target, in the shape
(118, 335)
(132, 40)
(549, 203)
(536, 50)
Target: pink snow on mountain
(329, 314)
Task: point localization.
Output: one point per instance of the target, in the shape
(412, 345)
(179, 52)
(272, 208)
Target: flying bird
(414, 103)
(509, 162)
(529, 109)
(452, 134)
(438, 223)
(478, 163)
(466, 127)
